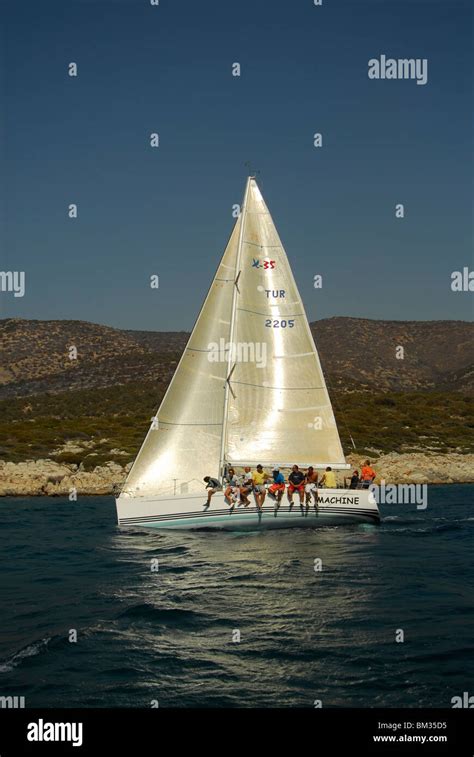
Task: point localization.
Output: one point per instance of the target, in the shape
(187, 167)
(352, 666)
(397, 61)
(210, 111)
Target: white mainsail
(264, 400)
(184, 442)
(279, 409)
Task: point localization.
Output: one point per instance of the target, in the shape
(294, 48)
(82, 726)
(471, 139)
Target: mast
(232, 328)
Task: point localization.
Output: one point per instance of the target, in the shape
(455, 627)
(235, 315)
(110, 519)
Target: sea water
(348, 616)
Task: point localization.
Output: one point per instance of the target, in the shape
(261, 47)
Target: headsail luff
(280, 411)
(186, 444)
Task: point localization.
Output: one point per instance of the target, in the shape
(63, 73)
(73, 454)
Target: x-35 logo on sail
(266, 263)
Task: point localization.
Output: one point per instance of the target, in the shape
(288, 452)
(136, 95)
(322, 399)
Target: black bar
(315, 731)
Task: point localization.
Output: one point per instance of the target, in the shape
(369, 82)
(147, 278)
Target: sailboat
(248, 390)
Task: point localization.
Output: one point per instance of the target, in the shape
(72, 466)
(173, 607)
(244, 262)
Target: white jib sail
(278, 409)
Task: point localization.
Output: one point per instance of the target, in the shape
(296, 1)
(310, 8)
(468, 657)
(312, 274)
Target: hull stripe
(295, 512)
(254, 511)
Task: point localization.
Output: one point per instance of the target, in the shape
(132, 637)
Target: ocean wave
(168, 550)
(429, 530)
(167, 616)
(176, 569)
(459, 653)
(402, 518)
(453, 526)
(12, 662)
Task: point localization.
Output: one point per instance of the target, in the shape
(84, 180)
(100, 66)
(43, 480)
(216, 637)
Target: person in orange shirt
(367, 475)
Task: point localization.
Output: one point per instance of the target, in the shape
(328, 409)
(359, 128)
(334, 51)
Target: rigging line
(339, 407)
(218, 279)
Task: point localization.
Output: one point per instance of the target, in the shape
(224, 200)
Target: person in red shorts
(276, 489)
(296, 481)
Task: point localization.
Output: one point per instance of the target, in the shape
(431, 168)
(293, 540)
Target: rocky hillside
(436, 354)
(357, 354)
(77, 414)
(39, 356)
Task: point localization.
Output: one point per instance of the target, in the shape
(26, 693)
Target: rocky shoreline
(49, 478)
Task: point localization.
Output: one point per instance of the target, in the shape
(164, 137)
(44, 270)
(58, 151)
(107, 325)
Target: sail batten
(279, 388)
(273, 315)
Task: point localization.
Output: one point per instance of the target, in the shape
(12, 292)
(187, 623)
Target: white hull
(335, 506)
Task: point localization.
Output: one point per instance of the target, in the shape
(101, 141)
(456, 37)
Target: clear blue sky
(168, 211)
